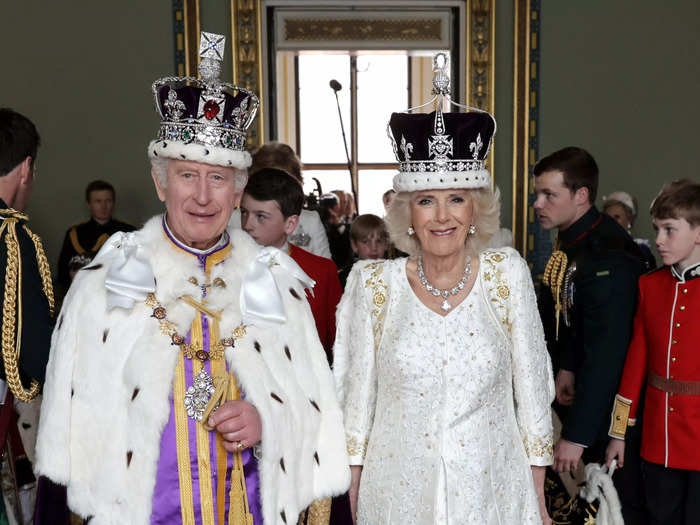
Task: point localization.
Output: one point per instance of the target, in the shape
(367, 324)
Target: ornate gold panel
(348, 29)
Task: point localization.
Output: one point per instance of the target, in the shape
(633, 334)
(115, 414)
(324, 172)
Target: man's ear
(25, 171)
(290, 224)
(160, 190)
(237, 198)
(581, 196)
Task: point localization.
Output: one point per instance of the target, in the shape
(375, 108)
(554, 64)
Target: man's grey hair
(160, 167)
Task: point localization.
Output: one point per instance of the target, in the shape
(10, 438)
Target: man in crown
(186, 382)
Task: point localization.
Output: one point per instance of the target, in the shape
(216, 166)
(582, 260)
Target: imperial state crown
(204, 119)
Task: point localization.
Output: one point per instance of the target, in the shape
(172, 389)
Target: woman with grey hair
(441, 365)
(622, 207)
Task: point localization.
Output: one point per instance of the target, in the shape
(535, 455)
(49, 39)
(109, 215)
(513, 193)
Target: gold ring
(240, 446)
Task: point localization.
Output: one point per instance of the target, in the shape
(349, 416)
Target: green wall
(82, 72)
(503, 142)
(622, 79)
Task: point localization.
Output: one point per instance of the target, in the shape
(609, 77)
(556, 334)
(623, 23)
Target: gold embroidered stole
(239, 510)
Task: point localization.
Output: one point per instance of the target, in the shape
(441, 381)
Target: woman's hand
(538, 478)
(615, 450)
(239, 424)
(355, 472)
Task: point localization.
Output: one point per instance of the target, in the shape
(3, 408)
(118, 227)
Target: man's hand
(564, 386)
(616, 450)
(238, 422)
(566, 456)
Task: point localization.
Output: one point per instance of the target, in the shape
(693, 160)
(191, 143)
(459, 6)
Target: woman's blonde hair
(486, 218)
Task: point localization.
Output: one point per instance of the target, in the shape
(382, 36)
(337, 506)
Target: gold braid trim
(553, 277)
(620, 417)
(44, 268)
(318, 513)
(12, 315)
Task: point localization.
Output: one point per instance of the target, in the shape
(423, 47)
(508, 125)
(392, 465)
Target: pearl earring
(411, 231)
(472, 229)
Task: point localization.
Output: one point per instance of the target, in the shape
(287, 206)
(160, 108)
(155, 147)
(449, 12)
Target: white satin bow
(130, 276)
(260, 296)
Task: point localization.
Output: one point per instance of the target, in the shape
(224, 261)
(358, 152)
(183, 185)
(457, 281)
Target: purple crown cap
(441, 149)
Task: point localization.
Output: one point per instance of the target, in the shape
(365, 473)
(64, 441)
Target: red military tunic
(665, 342)
(326, 296)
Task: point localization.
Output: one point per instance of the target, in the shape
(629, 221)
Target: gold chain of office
(12, 302)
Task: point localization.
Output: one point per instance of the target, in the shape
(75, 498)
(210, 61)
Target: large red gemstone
(211, 109)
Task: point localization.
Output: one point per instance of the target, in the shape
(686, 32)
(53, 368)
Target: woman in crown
(186, 382)
(440, 359)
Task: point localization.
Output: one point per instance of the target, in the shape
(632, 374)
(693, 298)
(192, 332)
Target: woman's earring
(472, 229)
(411, 231)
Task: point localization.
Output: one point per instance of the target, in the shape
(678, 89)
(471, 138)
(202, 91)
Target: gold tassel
(553, 277)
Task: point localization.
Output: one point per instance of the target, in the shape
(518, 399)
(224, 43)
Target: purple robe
(166, 495)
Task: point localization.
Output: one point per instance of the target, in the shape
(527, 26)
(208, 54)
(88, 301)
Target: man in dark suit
(587, 305)
(85, 239)
(27, 294)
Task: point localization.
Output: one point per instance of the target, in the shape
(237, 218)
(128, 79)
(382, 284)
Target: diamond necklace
(444, 293)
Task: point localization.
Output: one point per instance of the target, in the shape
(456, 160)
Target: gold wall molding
(329, 30)
(481, 49)
(187, 29)
(246, 46)
(533, 242)
(481, 61)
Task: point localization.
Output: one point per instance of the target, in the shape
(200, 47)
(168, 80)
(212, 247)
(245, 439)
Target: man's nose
(203, 193)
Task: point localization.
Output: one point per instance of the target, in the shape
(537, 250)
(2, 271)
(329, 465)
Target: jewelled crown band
(441, 150)
(204, 119)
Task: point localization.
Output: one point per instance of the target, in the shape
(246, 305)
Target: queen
(440, 359)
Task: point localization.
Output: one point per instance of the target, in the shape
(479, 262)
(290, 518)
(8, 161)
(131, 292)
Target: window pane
(382, 88)
(330, 180)
(319, 127)
(373, 184)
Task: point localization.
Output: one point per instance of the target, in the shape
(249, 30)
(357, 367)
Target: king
(186, 381)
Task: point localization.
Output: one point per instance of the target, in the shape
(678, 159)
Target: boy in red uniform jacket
(270, 210)
(664, 351)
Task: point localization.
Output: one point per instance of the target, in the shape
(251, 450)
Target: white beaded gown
(446, 414)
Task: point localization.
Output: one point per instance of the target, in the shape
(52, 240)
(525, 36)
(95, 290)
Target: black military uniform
(85, 239)
(597, 300)
(27, 307)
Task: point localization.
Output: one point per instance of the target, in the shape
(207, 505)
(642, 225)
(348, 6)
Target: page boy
(369, 239)
(664, 351)
(270, 210)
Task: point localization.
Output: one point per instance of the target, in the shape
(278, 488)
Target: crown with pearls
(204, 119)
(441, 150)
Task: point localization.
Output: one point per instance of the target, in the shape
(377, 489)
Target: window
(373, 86)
